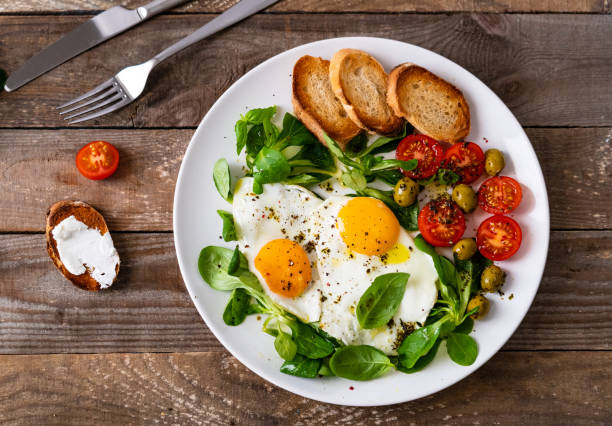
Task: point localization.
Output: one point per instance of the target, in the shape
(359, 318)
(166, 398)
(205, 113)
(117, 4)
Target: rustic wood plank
(214, 388)
(551, 70)
(215, 6)
(38, 169)
(150, 310)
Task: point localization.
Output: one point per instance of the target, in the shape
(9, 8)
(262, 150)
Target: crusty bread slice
(432, 105)
(360, 82)
(315, 104)
(90, 217)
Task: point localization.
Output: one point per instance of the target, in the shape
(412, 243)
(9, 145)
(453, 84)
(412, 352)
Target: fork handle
(234, 14)
(156, 7)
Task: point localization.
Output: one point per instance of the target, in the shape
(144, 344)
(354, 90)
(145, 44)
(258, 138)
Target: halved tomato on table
(499, 237)
(466, 159)
(441, 222)
(499, 195)
(97, 160)
(427, 151)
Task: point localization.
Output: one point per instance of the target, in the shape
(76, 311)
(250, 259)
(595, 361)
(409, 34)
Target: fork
(129, 83)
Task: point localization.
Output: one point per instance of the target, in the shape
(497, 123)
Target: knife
(89, 34)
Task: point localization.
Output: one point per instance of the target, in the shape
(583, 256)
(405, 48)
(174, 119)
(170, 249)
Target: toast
(433, 106)
(89, 216)
(315, 104)
(360, 82)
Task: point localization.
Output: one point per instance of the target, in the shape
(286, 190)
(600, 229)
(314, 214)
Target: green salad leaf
(309, 343)
(461, 348)
(213, 264)
(229, 229)
(381, 300)
(301, 366)
(285, 346)
(423, 361)
(237, 307)
(223, 179)
(359, 362)
(418, 343)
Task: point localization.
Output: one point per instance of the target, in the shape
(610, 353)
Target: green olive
(405, 192)
(492, 278)
(480, 302)
(494, 161)
(465, 197)
(465, 248)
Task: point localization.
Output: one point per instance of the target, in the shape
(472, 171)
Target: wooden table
(140, 353)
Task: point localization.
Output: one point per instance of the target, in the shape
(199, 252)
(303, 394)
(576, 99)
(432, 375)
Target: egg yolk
(284, 266)
(368, 226)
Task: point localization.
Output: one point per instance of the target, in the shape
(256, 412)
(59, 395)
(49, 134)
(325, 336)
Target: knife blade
(89, 34)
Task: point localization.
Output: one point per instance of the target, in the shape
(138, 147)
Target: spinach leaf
(424, 246)
(285, 346)
(418, 343)
(466, 326)
(223, 179)
(294, 133)
(381, 300)
(237, 307)
(229, 229)
(271, 166)
(325, 370)
(461, 348)
(256, 140)
(241, 129)
(309, 343)
(355, 146)
(260, 115)
(234, 264)
(361, 362)
(390, 176)
(302, 367)
(314, 155)
(423, 361)
(447, 274)
(387, 143)
(213, 264)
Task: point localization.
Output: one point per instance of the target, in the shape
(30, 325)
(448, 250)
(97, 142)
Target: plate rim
(217, 332)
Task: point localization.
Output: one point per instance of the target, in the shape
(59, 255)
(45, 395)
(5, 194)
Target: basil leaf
(381, 300)
(417, 344)
(423, 361)
(271, 166)
(301, 366)
(324, 370)
(465, 327)
(424, 246)
(237, 307)
(354, 179)
(462, 348)
(309, 343)
(229, 229)
(361, 362)
(358, 144)
(213, 264)
(256, 140)
(234, 264)
(240, 128)
(285, 346)
(447, 273)
(260, 115)
(223, 179)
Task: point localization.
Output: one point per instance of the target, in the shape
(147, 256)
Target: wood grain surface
(149, 308)
(551, 70)
(37, 170)
(592, 6)
(566, 388)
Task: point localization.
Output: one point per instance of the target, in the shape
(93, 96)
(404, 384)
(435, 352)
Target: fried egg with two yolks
(316, 258)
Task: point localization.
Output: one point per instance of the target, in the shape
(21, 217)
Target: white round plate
(197, 225)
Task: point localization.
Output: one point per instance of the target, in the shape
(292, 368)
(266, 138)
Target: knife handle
(157, 6)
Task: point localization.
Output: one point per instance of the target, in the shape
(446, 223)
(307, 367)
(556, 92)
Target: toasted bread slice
(432, 105)
(90, 217)
(360, 82)
(315, 104)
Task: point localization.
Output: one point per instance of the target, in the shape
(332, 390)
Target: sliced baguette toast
(433, 106)
(90, 217)
(315, 104)
(360, 82)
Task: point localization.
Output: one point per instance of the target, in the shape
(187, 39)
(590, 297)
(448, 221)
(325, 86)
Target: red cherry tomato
(499, 237)
(466, 159)
(441, 222)
(427, 151)
(499, 195)
(97, 160)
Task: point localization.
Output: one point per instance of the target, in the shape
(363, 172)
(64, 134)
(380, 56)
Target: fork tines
(107, 97)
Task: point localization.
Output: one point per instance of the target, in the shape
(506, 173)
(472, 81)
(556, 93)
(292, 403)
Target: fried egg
(358, 239)
(273, 230)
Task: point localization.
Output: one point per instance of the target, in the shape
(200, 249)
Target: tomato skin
(499, 195)
(499, 237)
(441, 222)
(466, 159)
(427, 151)
(97, 160)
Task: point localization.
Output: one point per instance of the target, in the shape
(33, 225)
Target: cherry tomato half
(466, 159)
(499, 195)
(97, 160)
(498, 237)
(427, 151)
(441, 222)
